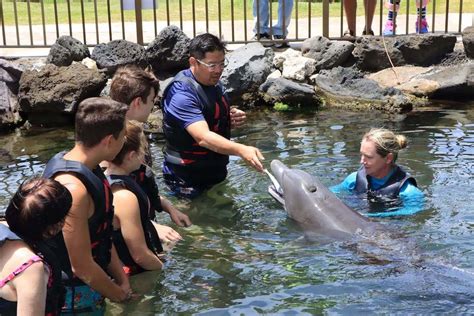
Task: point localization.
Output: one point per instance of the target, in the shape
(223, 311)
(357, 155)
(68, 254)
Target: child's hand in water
(167, 234)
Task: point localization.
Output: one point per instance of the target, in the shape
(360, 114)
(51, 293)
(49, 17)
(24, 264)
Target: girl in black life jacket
(136, 235)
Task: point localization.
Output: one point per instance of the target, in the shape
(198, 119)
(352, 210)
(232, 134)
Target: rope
(386, 51)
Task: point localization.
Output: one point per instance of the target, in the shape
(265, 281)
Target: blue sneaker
(389, 29)
(424, 26)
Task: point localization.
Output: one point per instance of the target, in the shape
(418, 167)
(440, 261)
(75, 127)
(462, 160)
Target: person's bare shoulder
(82, 204)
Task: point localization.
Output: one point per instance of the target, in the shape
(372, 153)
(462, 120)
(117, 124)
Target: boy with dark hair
(138, 88)
(197, 120)
(84, 248)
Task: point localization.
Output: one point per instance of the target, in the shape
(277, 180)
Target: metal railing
(38, 23)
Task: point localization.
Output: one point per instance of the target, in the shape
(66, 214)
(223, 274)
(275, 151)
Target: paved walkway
(239, 31)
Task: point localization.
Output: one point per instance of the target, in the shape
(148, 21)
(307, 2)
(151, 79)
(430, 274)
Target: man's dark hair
(37, 207)
(132, 81)
(205, 43)
(97, 118)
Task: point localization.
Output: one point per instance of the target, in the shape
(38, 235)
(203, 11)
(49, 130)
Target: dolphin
(314, 207)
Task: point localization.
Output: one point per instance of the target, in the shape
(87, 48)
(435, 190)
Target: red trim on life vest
(195, 152)
(187, 161)
(225, 102)
(107, 195)
(218, 111)
(127, 270)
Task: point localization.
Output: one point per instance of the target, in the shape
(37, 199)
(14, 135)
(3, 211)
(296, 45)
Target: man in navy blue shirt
(197, 119)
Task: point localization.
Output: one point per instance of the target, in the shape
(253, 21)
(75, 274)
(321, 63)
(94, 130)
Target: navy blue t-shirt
(182, 107)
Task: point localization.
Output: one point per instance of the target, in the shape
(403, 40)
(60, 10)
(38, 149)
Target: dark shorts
(179, 186)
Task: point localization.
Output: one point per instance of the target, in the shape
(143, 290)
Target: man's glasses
(213, 67)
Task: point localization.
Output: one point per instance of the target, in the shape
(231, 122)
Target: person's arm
(178, 217)
(78, 244)
(127, 210)
(413, 201)
(116, 271)
(215, 142)
(31, 287)
(184, 108)
(347, 185)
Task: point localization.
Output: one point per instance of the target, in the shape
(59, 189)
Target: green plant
(282, 107)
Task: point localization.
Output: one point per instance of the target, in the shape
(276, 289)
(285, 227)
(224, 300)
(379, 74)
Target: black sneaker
(283, 43)
(369, 32)
(264, 38)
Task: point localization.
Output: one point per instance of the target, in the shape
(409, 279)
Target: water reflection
(243, 255)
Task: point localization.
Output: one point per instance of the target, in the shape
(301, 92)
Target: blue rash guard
(412, 199)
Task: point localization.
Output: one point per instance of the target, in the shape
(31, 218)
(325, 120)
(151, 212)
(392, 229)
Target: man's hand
(252, 156)
(237, 117)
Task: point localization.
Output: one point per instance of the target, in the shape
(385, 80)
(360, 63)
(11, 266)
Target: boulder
(275, 74)
(67, 49)
(328, 54)
(289, 92)
(169, 51)
(51, 95)
(370, 53)
(349, 87)
(454, 83)
(154, 123)
(407, 79)
(248, 67)
(10, 74)
(392, 77)
(279, 59)
(59, 56)
(298, 68)
(9, 83)
(426, 49)
(78, 50)
(89, 63)
(468, 41)
(118, 53)
(419, 50)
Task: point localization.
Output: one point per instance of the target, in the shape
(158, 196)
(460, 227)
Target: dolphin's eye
(312, 189)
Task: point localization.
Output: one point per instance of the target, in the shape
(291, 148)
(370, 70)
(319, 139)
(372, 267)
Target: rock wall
(353, 75)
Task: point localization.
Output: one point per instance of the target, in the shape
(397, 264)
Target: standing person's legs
(285, 7)
(421, 24)
(391, 25)
(369, 6)
(261, 24)
(350, 7)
